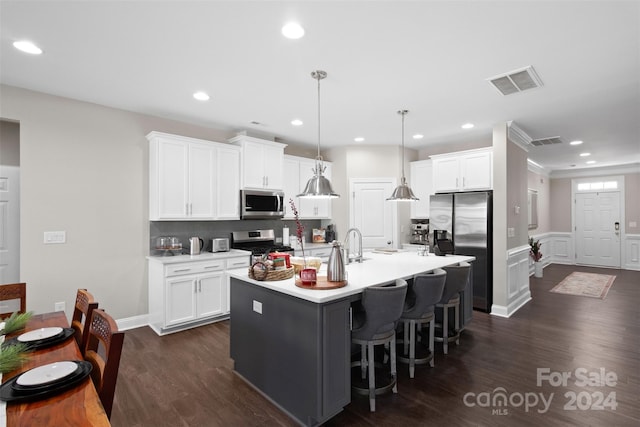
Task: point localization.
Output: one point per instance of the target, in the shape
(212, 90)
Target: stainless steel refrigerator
(467, 218)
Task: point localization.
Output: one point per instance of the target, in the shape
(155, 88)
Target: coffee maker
(419, 232)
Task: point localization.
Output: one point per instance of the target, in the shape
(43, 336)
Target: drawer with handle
(194, 268)
(238, 262)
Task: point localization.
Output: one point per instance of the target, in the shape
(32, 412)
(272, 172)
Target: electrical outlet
(59, 306)
(257, 306)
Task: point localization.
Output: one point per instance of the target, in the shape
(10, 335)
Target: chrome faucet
(347, 246)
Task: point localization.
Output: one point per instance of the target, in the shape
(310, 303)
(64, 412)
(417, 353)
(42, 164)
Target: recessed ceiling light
(27, 46)
(585, 154)
(590, 162)
(201, 96)
(575, 143)
(292, 30)
(467, 126)
(418, 136)
(296, 122)
(358, 139)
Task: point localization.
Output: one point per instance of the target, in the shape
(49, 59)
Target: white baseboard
(133, 322)
(502, 311)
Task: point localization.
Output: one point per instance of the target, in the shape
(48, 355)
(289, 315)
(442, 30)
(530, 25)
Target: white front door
(371, 213)
(9, 224)
(597, 228)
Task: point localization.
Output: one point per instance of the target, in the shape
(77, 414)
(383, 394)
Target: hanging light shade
(318, 186)
(403, 191)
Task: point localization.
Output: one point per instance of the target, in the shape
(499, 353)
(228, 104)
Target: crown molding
(596, 171)
(518, 136)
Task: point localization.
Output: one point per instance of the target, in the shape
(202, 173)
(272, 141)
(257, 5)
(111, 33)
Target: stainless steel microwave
(261, 204)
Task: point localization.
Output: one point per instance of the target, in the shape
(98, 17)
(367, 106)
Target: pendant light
(318, 186)
(403, 191)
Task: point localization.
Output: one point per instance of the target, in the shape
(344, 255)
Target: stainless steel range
(258, 242)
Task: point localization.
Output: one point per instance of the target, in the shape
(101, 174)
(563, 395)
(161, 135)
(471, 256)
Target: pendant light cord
(318, 76)
(403, 113)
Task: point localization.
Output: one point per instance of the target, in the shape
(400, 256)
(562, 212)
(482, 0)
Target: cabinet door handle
(186, 209)
(463, 181)
(181, 270)
(456, 182)
(199, 285)
(209, 267)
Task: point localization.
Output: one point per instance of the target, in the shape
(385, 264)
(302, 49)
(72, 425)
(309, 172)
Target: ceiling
(430, 57)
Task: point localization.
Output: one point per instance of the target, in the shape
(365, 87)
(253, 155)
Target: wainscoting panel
(631, 252)
(518, 292)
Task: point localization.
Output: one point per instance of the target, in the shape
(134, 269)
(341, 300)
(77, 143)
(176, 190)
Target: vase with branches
(299, 230)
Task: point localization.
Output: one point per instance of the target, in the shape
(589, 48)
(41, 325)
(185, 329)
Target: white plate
(47, 373)
(40, 334)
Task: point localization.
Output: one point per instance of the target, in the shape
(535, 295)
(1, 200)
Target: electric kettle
(196, 244)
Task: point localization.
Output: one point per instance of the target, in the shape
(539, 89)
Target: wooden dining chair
(85, 304)
(103, 349)
(13, 291)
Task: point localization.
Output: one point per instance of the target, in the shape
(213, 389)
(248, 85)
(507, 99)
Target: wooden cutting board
(322, 284)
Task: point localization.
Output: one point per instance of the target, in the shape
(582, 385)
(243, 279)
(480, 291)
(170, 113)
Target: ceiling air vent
(547, 141)
(516, 81)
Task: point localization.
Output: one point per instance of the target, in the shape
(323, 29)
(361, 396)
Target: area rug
(585, 284)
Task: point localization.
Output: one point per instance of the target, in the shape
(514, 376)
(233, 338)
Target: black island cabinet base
(295, 352)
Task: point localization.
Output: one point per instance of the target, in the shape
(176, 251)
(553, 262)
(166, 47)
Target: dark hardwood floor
(186, 379)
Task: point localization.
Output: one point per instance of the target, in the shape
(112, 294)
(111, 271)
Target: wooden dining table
(79, 406)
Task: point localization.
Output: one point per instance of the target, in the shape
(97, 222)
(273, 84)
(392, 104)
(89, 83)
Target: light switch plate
(511, 232)
(54, 237)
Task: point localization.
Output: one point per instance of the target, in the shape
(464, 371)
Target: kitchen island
(294, 344)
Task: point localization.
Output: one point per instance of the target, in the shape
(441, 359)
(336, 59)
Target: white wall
(367, 161)
(84, 171)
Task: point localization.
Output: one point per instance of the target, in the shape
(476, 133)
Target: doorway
(9, 202)
(598, 222)
(371, 213)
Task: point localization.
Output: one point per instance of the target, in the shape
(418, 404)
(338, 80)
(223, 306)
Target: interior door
(371, 213)
(597, 228)
(9, 224)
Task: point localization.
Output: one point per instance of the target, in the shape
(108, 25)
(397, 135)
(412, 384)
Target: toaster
(220, 245)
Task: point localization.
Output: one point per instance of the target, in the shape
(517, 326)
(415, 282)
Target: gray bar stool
(457, 278)
(376, 325)
(419, 309)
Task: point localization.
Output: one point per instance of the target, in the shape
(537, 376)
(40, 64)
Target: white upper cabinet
(192, 179)
(297, 171)
(422, 185)
(228, 184)
(262, 162)
(463, 171)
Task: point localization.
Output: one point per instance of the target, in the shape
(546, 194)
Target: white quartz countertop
(204, 256)
(377, 269)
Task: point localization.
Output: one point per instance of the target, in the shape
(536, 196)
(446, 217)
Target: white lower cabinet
(194, 297)
(322, 253)
(187, 294)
